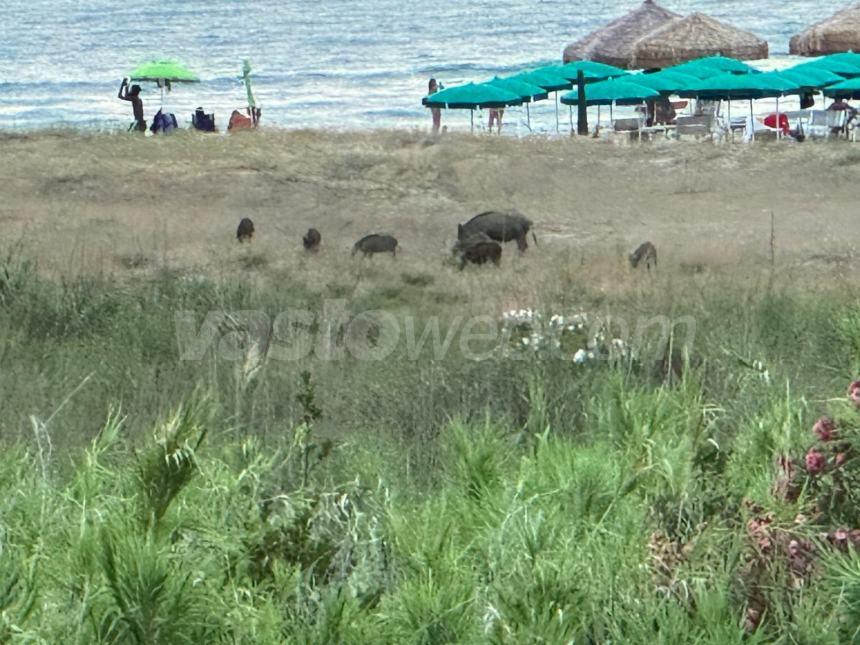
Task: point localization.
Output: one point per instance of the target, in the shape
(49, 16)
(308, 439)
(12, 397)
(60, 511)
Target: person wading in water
(133, 94)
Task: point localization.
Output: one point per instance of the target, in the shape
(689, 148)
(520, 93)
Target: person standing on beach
(436, 112)
(496, 115)
(133, 95)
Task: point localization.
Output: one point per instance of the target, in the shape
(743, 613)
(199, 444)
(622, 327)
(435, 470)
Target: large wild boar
(501, 226)
(376, 243)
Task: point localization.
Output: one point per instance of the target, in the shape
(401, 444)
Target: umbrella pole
(752, 122)
(162, 96)
(570, 118)
(472, 120)
(611, 117)
(556, 112)
(597, 128)
(778, 128)
(731, 132)
(528, 118)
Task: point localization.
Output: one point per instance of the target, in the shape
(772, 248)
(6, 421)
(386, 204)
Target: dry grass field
(125, 205)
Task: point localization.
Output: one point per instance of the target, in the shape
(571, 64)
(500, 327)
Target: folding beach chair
(822, 124)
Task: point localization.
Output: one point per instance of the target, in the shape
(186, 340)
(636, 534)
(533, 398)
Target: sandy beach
(122, 205)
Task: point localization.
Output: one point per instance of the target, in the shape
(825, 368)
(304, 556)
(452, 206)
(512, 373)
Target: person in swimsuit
(496, 116)
(436, 112)
(133, 94)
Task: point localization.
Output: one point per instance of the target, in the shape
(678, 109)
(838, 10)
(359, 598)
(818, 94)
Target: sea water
(343, 64)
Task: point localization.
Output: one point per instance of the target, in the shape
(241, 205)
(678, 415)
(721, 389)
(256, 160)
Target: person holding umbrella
(133, 95)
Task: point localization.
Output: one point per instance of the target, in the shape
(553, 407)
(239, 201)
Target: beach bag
(163, 123)
(202, 121)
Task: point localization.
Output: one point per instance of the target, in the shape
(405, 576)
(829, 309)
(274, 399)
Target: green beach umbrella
(666, 82)
(695, 68)
(246, 76)
(472, 96)
(779, 81)
(592, 71)
(548, 79)
(845, 57)
(571, 74)
(849, 89)
(725, 64)
(732, 87)
(252, 104)
(163, 72)
(844, 69)
(608, 71)
(811, 78)
(526, 91)
(740, 87)
(621, 91)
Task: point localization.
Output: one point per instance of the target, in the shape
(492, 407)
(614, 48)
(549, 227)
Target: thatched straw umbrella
(613, 43)
(692, 37)
(838, 33)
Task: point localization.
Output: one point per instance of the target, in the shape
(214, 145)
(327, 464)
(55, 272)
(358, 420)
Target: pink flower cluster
(825, 428)
(827, 432)
(815, 462)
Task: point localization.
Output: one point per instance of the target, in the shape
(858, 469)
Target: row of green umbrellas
(701, 80)
(714, 77)
(520, 88)
(523, 88)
